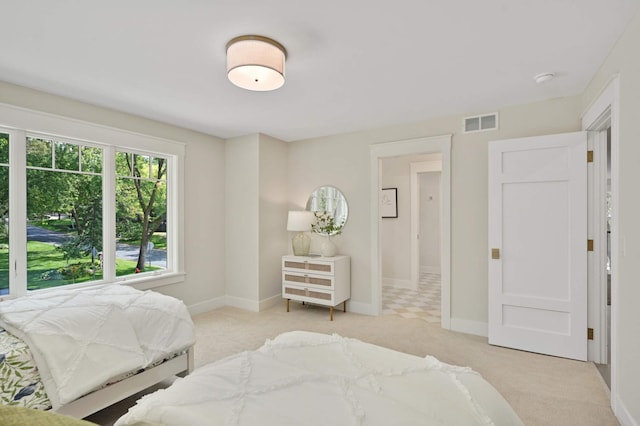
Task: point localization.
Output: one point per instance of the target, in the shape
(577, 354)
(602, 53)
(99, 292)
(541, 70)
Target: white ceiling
(352, 64)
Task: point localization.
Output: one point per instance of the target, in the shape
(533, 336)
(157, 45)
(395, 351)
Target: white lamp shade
(300, 220)
(255, 63)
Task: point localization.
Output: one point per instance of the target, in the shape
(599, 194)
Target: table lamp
(300, 221)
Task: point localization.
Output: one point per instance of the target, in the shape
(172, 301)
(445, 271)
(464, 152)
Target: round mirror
(329, 200)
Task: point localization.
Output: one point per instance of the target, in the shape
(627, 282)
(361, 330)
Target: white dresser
(319, 280)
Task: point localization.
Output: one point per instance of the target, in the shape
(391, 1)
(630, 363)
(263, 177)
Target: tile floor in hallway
(423, 303)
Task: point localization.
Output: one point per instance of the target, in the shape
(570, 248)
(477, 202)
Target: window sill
(152, 281)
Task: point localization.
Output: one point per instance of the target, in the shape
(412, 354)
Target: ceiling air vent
(481, 123)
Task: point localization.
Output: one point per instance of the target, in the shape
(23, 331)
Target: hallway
(423, 303)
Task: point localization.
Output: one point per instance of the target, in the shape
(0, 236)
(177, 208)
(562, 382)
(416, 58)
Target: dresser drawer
(325, 281)
(315, 266)
(316, 280)
(307, 294)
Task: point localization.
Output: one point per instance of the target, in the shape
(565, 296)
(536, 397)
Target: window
(102, 205)
(141, 212)
(4, 213)
(64, 213)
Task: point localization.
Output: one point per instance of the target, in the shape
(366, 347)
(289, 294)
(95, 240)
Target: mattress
(83, 339)
(318, 379)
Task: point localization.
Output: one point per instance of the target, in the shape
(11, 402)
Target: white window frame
(20, 123)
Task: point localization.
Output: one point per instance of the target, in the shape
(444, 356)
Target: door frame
(425, 145)
(603, 111)
(417, 168)
(597, 231)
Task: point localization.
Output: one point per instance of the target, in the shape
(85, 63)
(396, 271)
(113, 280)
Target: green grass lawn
(159, 240)
(62, 225)
(44, 263)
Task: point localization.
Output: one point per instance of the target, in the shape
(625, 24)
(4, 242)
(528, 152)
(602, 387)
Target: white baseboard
(395, 282)
(253, 306)
(470, 327)
(239, 302)
(622, 413)
(360, 308)
(207, 305)
(430, 270)
(271, 301)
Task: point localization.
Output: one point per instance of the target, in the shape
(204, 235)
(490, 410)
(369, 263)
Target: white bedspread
(82, 338)
(303, 378)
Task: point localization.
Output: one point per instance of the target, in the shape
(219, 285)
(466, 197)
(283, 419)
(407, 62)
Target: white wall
(429, 221)
(341, 161)
(395, 233)
(242, 205)
(204, 219)
(256, 215)
(273, 218)
(625, 61)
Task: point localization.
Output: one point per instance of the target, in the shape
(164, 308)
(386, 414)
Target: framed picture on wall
(389, 203)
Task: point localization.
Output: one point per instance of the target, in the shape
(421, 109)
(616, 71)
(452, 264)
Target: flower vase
(328, 248)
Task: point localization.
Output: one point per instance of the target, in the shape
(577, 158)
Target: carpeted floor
(543, 390)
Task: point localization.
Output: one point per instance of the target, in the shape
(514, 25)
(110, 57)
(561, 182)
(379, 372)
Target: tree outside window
(141, 208)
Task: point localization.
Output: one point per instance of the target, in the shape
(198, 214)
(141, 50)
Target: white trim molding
(23, 122)
(605, 109)
(470, 327)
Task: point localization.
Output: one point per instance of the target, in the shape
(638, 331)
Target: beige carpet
(543, 390)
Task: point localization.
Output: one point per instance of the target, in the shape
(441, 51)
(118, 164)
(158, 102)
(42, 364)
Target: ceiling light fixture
(544, 77)
(255, 62)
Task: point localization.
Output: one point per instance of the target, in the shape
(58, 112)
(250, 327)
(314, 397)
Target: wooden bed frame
(180, 365)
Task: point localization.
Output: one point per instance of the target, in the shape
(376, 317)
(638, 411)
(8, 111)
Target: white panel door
(538, 232)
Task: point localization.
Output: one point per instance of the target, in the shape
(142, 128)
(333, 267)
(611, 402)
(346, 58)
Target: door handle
(495, 253)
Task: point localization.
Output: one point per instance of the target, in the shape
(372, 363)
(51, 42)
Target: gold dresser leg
(344, 306)
(287, 305)
(331, 313)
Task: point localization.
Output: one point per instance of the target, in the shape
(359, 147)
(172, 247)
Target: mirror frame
(339, 205)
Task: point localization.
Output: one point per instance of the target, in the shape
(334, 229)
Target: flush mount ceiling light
(255, 62)
(544, 77)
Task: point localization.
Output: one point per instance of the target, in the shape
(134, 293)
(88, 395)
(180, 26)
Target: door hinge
(495, 253)
(589, 245)
(589, 333)
(589, 156)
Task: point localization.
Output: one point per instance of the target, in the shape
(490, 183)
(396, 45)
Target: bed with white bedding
(79, 350)
(317, 379)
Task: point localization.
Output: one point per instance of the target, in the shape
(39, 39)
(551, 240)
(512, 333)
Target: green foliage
(325, 224)
(48, 268)
(72, 248)
(141, 196)
(159, 240)
(64, 194)
(4, 148)
(4, 176)
(4, 233)
(128, 230)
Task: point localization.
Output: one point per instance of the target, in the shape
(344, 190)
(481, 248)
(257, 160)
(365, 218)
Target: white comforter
(316, 379)
(82, 338)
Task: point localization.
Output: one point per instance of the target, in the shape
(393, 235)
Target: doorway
(410, 237)
(602, 276)
(602, 118)
(432, 145)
